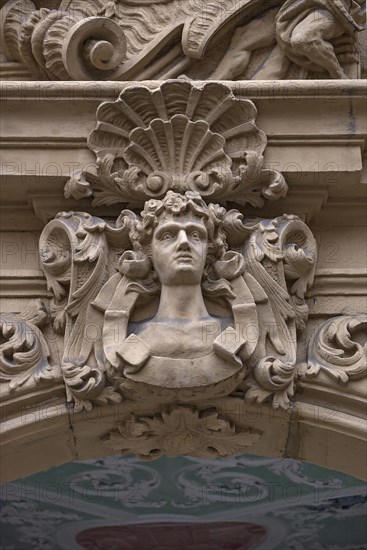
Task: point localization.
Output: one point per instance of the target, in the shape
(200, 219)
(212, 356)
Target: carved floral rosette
(173, 150)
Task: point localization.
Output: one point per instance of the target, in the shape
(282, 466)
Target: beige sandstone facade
(183, 259)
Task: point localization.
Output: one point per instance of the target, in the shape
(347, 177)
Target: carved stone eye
(195, 235)
(167, 236)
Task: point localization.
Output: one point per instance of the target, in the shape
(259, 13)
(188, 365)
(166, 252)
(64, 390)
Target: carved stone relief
(183, 313)
(186, 300)
(339, 349)
(182, 299)
(181, 138)
(160, 39)
(24, 351)
(181, 431)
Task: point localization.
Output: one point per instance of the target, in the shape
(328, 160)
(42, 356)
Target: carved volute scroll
(339, 350)
(24, 352)
(160, 39)
(181, 299)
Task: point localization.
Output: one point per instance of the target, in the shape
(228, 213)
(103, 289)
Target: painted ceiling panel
(240, 503)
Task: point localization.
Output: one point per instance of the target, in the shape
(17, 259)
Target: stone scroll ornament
(24, 351)
(338, 349)
(160, 39)
(181, 298)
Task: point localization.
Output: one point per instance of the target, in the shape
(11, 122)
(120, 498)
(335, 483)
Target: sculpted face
(179, 249)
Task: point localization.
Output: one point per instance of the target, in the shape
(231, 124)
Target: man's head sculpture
(182, 225)
(180, 253)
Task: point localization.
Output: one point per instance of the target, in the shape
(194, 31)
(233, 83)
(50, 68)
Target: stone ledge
(37, 160)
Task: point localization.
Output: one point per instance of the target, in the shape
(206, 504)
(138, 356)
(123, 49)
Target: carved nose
(183, 241)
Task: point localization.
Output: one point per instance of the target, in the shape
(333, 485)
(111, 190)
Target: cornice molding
(299, 156)
(270, 90)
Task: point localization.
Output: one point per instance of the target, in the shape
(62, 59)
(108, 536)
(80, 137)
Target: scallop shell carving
(179, 137)
(176, 148)
(215, 103)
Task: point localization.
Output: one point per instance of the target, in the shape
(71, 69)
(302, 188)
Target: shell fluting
(211, 117)
(177, 146)
(180, 137)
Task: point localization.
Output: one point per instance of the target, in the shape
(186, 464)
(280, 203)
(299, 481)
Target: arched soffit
(51, 435)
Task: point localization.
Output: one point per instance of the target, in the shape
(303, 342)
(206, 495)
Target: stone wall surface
(183, 259)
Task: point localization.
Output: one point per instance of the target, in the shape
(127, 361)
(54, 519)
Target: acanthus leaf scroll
(338, 349)
(181, 430)
(24, 351)
(74, 256)
(186, 300)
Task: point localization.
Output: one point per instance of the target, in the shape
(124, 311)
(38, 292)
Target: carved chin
(185, 273)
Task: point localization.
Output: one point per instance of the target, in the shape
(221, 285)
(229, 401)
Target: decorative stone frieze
(135, 40)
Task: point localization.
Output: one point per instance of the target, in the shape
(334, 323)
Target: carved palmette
(181, 431)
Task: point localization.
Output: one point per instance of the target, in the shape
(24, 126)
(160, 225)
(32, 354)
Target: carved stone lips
(183, 257)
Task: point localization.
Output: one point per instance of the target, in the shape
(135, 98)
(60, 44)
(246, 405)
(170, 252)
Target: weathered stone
(184, 308)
